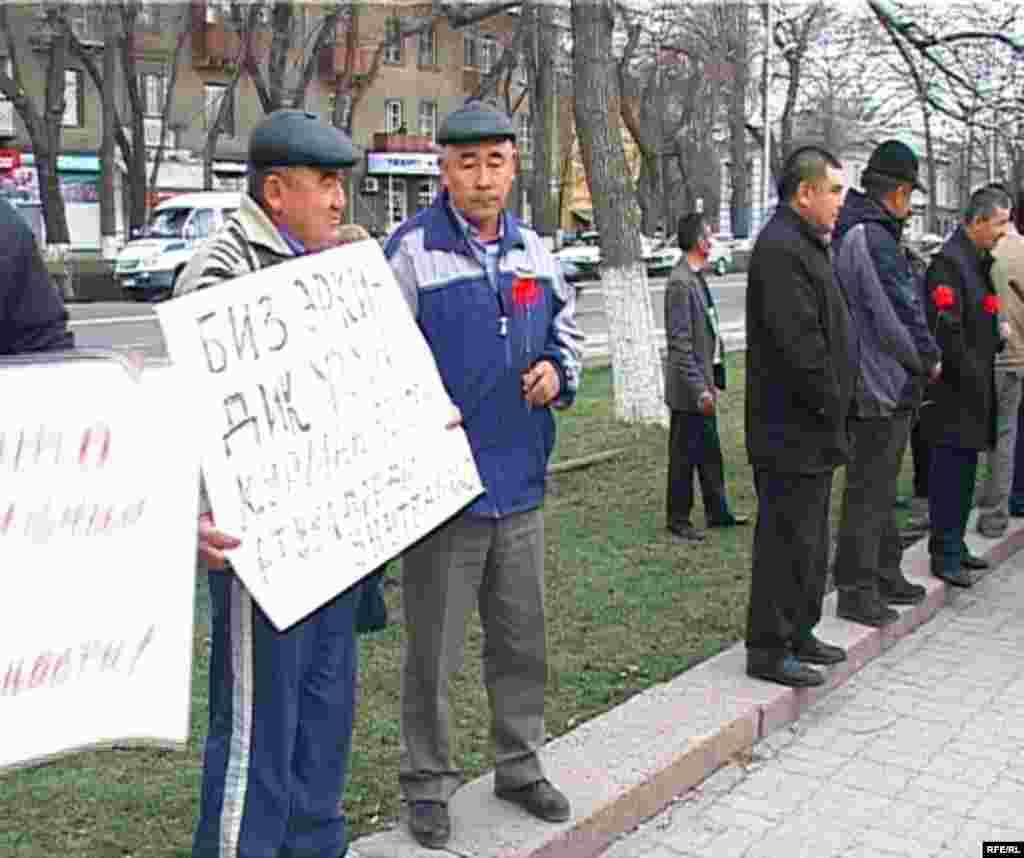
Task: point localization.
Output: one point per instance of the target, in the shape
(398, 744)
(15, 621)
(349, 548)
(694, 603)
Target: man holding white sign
(499, 319)
(281, 702)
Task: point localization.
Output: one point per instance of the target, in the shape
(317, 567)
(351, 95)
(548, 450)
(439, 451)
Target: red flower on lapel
(990, 304)
(944, 298)
(525, 292)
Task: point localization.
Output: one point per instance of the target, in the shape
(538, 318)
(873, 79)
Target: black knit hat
(294, 138)
(475, 122)
(895, 160)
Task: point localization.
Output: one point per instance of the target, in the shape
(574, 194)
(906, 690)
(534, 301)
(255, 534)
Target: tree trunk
(931, 214)
(543, 70)
(108, 211)
(739, 203)
(636, 363)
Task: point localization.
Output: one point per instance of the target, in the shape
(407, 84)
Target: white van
(147, 266)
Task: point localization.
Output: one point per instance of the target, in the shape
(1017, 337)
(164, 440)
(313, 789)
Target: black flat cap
(294, 138)
(475, 122)
(895, 160)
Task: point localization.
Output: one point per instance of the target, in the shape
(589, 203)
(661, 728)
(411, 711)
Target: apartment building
(421, 79)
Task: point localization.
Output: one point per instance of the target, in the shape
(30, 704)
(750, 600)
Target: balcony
(385, 142)
(7, 128)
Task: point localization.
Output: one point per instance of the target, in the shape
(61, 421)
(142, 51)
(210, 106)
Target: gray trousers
(867, 529)
(995, 493)
(499, 564)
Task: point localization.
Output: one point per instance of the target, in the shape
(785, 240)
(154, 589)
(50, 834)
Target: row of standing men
(851, 343)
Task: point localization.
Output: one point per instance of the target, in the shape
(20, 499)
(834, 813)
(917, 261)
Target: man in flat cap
(491, 302)
(281, 703)
(898, 355)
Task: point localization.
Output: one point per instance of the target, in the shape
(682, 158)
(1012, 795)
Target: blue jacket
(483, 339)
(897, 349)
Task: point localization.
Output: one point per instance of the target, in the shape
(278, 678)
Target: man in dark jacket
(32, 313)
(694, 379)
(958, 416)
(897, 351)
(801, 366)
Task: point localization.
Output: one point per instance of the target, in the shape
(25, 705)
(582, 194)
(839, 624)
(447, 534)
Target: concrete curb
(627, 765)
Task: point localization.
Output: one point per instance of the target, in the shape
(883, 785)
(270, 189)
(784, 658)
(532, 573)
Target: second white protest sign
(322, 422)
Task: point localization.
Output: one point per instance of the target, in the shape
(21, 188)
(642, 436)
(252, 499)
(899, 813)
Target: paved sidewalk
(921, 753)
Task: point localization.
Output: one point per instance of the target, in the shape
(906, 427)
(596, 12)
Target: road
(133, 327)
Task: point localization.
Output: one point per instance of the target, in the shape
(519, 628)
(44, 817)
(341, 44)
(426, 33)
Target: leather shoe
(541, 799)
(972, 561)
(430, 823)
(895, 589)
(732, 521)
(864, 607)
(813, 651)
(786, 670)
(956, 577)
(687, 532)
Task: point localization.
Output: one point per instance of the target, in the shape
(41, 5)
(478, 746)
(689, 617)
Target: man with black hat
(897, 355)
(959, 412)
(281, 703)
(491, 302)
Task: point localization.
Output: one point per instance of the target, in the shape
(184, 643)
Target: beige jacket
(1009, 265)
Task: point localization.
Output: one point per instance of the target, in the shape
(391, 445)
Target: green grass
(627, 608)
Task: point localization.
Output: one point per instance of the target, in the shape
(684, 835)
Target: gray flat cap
(475, 122)
(294, 138)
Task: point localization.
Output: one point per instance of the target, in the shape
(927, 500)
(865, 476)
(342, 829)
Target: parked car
(662, 259)
(148, 266)
(585, 254)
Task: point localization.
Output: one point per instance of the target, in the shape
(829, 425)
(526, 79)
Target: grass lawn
(627, 608)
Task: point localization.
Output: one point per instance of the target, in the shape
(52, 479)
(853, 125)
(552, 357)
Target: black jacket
(801, 352)
(32, 313)
(959, 409)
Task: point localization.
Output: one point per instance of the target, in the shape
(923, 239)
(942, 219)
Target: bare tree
(636, 365)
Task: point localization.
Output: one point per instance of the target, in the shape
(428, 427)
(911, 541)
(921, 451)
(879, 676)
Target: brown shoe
(540, 799)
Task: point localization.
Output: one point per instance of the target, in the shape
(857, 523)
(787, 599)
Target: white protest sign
(323, 438)
(98, 504)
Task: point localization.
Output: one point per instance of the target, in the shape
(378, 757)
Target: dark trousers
(869, 500)
(920, 452)
(791, 545)
(281, 714)
(951, 485)
(693, 443)
(1017, 490)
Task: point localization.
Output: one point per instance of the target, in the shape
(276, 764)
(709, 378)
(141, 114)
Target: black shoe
(687, 532)
(540, 799)
(864, 607)
(430, 823)
(732, 521)
(956, 577)
(897, 590)
(972, 561)
(786, 670)
(813, 651)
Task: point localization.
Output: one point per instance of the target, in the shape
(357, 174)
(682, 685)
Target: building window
(524, 139)
(398, 202)
(426, 193)
(214, 94)
(392, 33)
(394, 116)
(427, 47)
(152, 90)
(488, 54)
(470, 51)
(428, 119)
(74, 103)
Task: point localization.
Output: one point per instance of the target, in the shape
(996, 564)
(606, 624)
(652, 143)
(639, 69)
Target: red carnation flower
(524, 291)
(943, 297)
(991, 304)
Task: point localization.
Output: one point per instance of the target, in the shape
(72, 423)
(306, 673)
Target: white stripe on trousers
(236, 779)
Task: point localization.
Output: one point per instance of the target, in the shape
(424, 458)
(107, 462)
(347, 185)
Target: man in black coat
(32, 313)
(694, 379)
(958, 416)
(801, 366)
